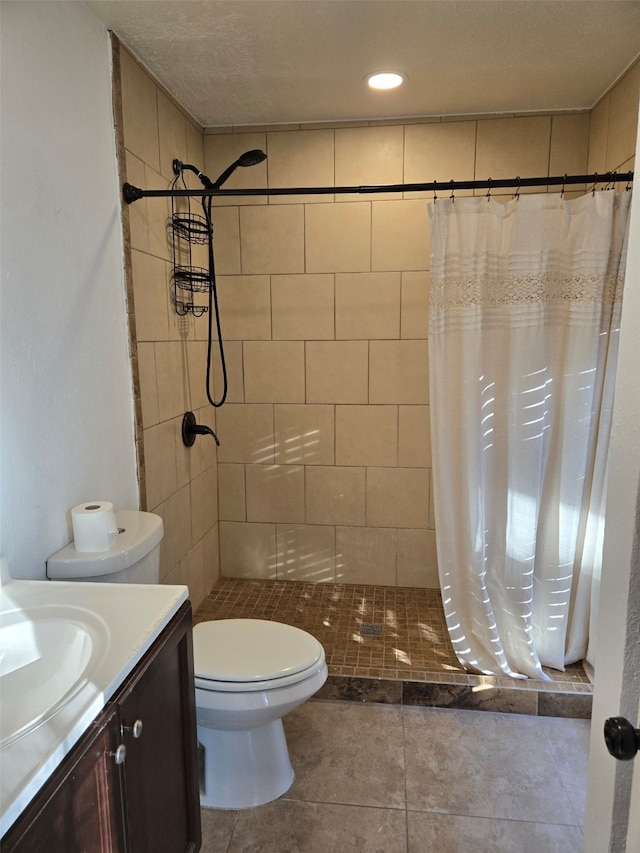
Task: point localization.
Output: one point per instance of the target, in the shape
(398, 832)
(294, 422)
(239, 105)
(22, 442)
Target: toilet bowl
(249, 673)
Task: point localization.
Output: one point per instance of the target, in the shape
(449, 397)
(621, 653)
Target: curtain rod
(131, 193)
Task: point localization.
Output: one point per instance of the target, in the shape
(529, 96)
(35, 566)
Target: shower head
(249, 158)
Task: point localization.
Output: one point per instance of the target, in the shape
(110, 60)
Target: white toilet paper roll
(94, 526)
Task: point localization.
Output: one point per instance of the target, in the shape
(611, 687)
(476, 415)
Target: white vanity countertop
(125, 620)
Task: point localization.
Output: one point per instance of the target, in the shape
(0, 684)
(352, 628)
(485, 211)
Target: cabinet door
(157, 713)
(80, 809)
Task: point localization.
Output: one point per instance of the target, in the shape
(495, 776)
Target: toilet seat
(239, 655)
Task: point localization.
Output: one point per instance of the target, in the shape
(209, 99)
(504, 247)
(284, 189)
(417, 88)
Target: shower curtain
(524, 316)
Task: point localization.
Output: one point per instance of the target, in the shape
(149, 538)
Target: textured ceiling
(243, 62)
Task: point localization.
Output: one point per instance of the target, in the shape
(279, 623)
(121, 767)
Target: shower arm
(131, 193)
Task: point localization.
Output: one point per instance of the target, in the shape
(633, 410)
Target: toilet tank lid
(251, 650)
(141, 532)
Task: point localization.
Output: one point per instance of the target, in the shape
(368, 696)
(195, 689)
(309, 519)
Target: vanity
(104, 758)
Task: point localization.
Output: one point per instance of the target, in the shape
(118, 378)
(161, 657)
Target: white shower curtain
(525, 306)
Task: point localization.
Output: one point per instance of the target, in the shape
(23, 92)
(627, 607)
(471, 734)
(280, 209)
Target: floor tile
(296, 827)
(569, 742)
(483, 765)
(346, 753)
(436, 833)
(217, 828)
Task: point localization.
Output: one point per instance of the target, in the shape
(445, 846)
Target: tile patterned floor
(395, 779)
(411, 661)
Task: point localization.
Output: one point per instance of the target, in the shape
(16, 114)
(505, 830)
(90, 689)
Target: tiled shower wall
(168, 352)
(324, 468)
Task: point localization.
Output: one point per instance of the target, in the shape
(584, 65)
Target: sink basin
(46, 656)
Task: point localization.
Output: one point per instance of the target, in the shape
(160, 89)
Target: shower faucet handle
(190, 429)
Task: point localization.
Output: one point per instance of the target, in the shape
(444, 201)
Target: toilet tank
(133, 558)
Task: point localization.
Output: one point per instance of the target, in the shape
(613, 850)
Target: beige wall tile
(432, 506)
(176, 515)
(366, 555)
(569, 145)
(304, 434)
(275, 493)
(139, 111)
(623, 118)
(398, 497)
(226, 246)
(337, 371)
(231, 492)
(335, 495)
(196, 374)
(245, 307)
(160, 463)
(150, 293)
(193, 461)
(235, 370)
(245, 433)
(414, 305)
(440, 152)
(417, 559)
(148, 387)
(272, 239)
(401, 238)
(221, 150)
(195, 147)
(338, 237)
(172, 132)
(399, 372)
(211, 557)
(204, 504)
(300, 158)
(303, 307)
(158, 216)
(194, 570)
(510, 147)
(367, 305)
(366, 435)
(306, 553)
(274, 372)
(367, 156)
(172, 379)
(598, 130)
(248, 550)
(138, 228)
(414, 437)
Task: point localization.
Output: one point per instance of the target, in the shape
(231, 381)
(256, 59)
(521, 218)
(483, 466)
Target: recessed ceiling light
(385, 80)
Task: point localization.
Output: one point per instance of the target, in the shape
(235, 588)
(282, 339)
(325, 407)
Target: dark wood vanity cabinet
(140, 799)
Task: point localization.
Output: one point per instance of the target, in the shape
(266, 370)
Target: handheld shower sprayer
(249, 158)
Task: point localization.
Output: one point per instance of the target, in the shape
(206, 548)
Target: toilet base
(243, 769)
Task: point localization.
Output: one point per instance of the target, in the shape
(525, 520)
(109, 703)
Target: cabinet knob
(135, 729)
(120, 754)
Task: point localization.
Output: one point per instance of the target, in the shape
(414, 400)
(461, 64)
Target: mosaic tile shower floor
(413, 647)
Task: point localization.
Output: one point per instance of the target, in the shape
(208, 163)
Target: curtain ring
(595, 178)
(489, 190)
(452, 197)
(564, 181)
(435, 196)
(629, 179)
(517, 192)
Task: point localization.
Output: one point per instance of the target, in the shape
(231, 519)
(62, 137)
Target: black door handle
(623, 741)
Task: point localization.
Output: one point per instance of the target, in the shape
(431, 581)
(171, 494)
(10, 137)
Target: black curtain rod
(131, 193)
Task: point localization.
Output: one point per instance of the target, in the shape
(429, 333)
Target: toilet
(249, 673)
